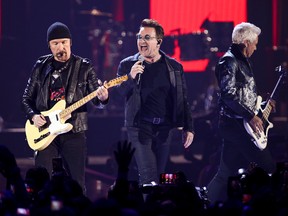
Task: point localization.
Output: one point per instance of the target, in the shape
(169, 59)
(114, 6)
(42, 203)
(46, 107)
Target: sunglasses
(145, 38)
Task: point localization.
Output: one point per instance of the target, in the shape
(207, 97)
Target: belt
(155, 121)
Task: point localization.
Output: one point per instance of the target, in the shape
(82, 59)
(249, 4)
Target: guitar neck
(268, 107)
(90, 96)
(78, 104)
(267, 110)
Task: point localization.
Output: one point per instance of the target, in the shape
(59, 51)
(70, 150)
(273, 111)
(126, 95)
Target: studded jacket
(238, 92)
(83, 81)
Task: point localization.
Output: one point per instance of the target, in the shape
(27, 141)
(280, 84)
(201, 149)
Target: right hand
(39, 120)
(256, 124)
(136, 68)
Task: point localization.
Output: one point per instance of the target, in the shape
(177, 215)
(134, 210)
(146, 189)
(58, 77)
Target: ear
(247, 43)
(159, 42)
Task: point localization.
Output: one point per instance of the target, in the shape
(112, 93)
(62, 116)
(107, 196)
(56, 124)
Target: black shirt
(156, 98)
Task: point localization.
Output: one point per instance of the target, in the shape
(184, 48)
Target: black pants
(238, 151)
(72, 148)
(152, 144)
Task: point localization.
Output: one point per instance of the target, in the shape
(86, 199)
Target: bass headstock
(282, 69)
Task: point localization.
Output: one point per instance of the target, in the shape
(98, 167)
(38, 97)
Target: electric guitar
(39, 138)
(260, 139)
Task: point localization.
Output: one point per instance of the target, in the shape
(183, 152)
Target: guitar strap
(73, 85)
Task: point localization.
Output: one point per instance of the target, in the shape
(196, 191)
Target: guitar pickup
(41, 137)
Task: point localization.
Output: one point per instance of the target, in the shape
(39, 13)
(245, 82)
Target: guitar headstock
(282, 69)
(116, 81)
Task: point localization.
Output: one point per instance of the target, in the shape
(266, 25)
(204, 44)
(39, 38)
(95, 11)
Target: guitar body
(40, 138)
(259, 139)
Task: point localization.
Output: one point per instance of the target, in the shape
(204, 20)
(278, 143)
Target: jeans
(238, 151)
(152, 150)
(72, 148)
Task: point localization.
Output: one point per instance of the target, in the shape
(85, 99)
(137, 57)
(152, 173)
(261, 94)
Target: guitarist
(237, 102)
(62, 76)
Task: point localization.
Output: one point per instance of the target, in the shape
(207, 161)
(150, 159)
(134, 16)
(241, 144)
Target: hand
(102, 92)
(39, 120)
(136, 68)
(273, 104)
(256, 124)
(188, 138)
(123, 155)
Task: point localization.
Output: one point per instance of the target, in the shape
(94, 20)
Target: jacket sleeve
(188, 120)
(231, 85)
(28, 103)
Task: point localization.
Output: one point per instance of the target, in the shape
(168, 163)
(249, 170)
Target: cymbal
(95, 12)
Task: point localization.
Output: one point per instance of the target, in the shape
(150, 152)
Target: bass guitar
(39, 138)
(260, 139)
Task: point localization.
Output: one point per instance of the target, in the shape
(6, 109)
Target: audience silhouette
(251, 192)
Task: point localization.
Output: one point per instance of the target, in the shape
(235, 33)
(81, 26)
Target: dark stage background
(106, 35)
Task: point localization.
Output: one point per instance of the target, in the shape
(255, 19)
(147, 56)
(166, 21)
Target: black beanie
(58, 30)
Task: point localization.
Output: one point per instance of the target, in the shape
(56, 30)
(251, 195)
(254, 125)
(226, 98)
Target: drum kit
(111, 42)
(110, 35)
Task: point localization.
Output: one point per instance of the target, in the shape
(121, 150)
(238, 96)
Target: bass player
(237, 102)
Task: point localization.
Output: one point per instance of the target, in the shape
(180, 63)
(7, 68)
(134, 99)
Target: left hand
(273, 104)
(188, 138)
(102, 93)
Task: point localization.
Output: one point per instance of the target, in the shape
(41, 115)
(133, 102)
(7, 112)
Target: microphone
(140, 58)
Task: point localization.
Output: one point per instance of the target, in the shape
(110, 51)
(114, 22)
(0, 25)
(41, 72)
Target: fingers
(38, 120)
(102, 93)
(256, 124)
(188, 137)
(137, 68)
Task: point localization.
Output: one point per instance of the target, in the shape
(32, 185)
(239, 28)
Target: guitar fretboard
(63, 114)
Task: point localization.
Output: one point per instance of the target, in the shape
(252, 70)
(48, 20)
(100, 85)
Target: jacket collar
(236, 49)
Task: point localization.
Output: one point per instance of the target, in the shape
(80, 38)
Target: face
(250, 48)
(61, 49)
(147, 47)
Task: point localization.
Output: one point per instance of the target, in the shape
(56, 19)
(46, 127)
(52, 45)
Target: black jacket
(238, 92)
(182, 116)
(81, 81)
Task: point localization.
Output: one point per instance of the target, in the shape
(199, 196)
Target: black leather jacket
(182, 116)
(238, 93)
(83, 81)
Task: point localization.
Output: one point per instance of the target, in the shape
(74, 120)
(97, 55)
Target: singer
(156, 102)
(62, 76)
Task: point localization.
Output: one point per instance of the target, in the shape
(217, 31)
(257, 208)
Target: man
(156, 102)
(56, 77)
(237, 102)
